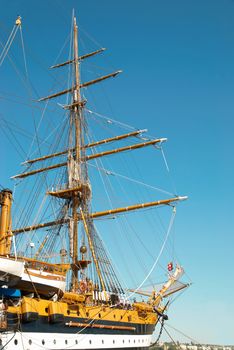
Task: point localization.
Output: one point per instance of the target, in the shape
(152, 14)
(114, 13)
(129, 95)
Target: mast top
(18, 21)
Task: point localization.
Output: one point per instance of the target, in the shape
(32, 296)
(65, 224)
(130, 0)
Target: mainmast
(74, 168)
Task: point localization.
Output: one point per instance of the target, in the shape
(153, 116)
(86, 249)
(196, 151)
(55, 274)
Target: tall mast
(78, 190)
(76, 116)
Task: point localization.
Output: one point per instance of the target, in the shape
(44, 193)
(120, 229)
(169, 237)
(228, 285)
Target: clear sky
(178, 82)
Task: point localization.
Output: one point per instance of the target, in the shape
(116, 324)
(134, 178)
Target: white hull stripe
(56, 341)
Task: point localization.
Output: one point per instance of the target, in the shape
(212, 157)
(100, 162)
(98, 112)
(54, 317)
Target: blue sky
(178, 82)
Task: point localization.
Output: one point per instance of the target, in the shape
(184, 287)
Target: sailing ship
(77, 302)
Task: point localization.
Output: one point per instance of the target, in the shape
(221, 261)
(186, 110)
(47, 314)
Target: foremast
(78, 190)
(74, 167)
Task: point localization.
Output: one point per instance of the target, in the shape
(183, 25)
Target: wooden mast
(80, 201)
(77, 158)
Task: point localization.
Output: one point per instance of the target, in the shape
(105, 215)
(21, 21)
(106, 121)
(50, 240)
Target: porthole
(90, 342)
(99, 315)
(134, 340)
(46, 310)
(30, 341)
(68, 312)
(87, 314)
(113, 341)
(15, 341)
(43, 342)
(123, 341)
(54, 341)
(102, 341)
(129, 340)
(114, 316)
(121, 317)
(76, 341)
(66, 341)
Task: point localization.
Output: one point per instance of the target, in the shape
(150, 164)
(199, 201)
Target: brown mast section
(92, 156)
(79, 58)
(102, 213)
(95, 81)
(89, 145)
(5, 222)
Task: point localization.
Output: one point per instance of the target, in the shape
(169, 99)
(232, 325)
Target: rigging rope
(168, 170)
(109, 120)
(4, 48)
(23, 49)
(110, 172)
(176, 345)
(10, 134)
(33, 285)
(8, 43)
(160, 253)
(4, 346)
(105, 184)
(89, 36)
(69, 79)
(185, 335)
(160, 333)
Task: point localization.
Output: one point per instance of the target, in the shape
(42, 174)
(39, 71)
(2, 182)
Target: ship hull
(57, 341)
(39, 334)
(71, 325)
